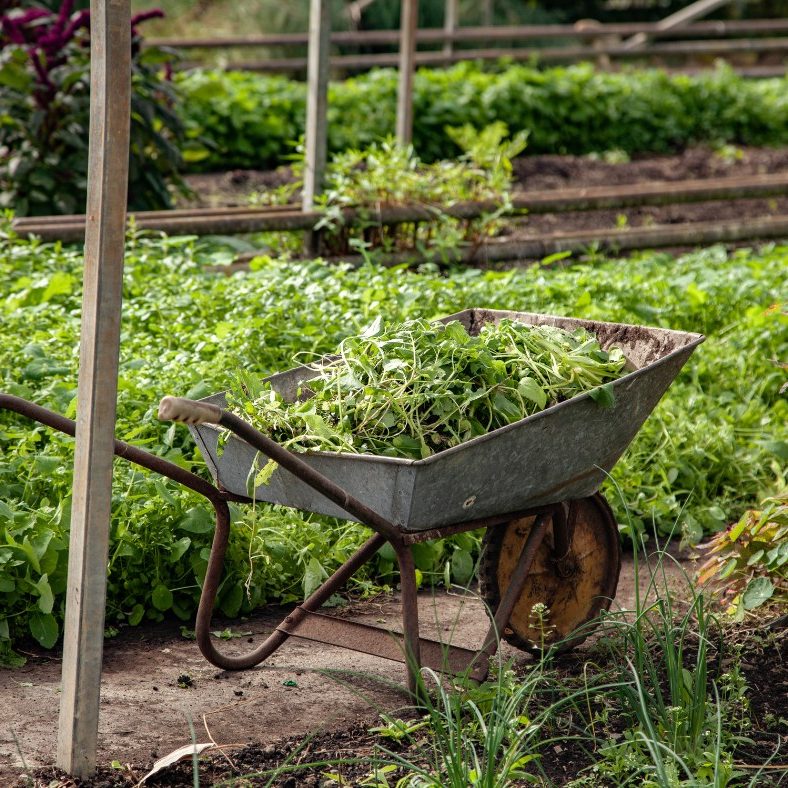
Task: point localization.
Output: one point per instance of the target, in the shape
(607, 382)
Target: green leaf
(179, 548)
(461, 567)
(532, 391)
(231, 601)
(46, 599)
(778, 448)
(59, 284)
(313, 576)
(137, 612)
(758, 591)
(603, 395)
(161, 597)
(755, 557)
(44, 628)
(196, 521)
(264, 475)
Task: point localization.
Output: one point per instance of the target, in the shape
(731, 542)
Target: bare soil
(536, 173)
(308, 702)
(155, 682)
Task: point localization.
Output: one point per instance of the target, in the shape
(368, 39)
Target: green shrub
(45, 112)
(249, 120)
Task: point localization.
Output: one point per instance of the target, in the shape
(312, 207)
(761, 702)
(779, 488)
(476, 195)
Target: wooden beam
(681, 18)
(407, 51)
(217, 221)
(544, 55)
(441, 35)
(110, 81)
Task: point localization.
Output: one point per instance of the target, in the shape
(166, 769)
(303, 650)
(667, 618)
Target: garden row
(237, 119)
(215, 120)
(714, 446)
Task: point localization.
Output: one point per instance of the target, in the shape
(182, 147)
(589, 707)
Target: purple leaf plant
(46, 36)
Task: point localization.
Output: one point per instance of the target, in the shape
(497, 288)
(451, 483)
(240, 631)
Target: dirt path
(145, 705)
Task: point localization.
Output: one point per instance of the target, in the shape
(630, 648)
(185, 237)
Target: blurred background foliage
(223, 17)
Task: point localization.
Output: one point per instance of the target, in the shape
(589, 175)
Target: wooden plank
(681, 18)
(543, 55)
(407, 50)
(317, 100)
(92, 491)
(586, 198)
(436, 35)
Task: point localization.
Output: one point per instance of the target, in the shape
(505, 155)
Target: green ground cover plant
(714, 447)
(238, 119)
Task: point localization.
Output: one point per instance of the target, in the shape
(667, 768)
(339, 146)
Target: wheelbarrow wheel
(573, 590)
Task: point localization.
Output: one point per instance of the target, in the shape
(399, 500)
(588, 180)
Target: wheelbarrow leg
(410, 615)
(510, 596)
(311, 604)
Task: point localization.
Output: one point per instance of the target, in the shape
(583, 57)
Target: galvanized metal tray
(561, 453)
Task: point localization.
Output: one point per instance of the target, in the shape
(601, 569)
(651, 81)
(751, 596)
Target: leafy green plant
(389, 175)
(748, 562)
(249, 120)
(683, 723)
(480, 738)
(713, 448)
(44, 115)
(413, 389)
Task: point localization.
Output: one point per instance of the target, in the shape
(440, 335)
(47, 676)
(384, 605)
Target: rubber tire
(575, 600)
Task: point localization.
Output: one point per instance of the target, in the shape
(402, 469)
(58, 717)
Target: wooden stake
(317, 100)
(316, 108)
(449, 26)
(110, 81)
(407, 51)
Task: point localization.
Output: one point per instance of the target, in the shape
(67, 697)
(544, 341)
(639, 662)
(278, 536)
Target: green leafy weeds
(711, 449)
(416, 388)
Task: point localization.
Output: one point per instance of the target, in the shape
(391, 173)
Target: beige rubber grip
(188, 411)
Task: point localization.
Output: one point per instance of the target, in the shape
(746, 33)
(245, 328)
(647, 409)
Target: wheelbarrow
(550, 537)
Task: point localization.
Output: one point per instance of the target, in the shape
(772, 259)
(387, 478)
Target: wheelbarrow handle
(188, 411)
(191, 412)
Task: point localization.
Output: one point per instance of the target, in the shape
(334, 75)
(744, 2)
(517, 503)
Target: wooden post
(316, 107)
(110, 81)
(449, 26)
(317, 100)
(407, 50)
(487, 13)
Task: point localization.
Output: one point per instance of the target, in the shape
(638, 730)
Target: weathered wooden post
(110, 90)
(316, 141)
(317, 100)
(407, 51)
(450, 15)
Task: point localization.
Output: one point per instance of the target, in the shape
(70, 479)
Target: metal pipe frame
(304, 621)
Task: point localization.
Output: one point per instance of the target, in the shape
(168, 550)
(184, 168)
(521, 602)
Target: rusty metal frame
(304, 621)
